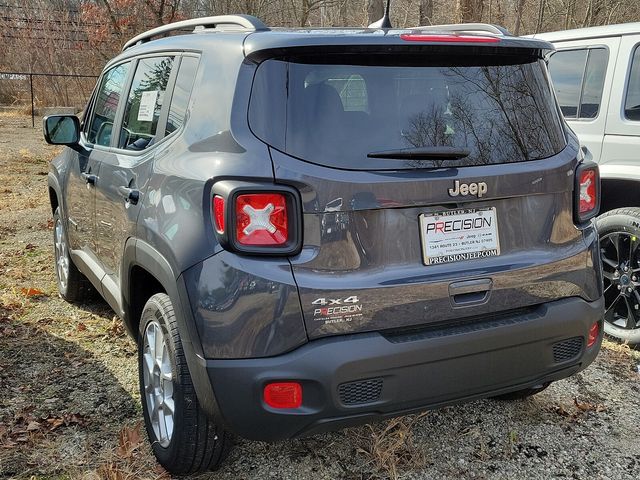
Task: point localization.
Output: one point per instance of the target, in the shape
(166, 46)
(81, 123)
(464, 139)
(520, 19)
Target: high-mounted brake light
(448, 38)
(283, 395)
(587, 191)
(261, 219)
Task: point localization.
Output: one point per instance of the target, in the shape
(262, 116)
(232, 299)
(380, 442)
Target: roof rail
(245, 22)
(470, 27)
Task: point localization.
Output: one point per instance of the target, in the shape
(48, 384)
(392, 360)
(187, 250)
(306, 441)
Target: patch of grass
(389, 447)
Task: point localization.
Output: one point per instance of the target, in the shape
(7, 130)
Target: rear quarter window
(632, 101)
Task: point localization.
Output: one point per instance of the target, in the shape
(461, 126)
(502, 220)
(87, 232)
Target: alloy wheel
(62, 255)
(158, 383)
(621, 270)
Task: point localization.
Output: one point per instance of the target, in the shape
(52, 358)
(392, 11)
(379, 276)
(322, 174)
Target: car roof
(203, 33)
(590, 32)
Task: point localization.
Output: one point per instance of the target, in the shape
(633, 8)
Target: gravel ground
(69, 406)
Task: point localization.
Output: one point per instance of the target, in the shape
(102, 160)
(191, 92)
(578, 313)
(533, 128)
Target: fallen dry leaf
(33, 426)
(589, 407)
(559, 409)
(66, 420)
(129, 440)
(54, 423)
(31, 292)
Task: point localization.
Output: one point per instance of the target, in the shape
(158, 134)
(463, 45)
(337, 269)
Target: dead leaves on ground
(32, 292)
(581, 407)
(26, 427)
(129, 440)
(129, 461)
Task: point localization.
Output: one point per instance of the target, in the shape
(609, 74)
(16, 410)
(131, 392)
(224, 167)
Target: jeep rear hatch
(436, 183)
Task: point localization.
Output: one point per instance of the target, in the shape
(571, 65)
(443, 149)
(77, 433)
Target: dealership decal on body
(337, 310)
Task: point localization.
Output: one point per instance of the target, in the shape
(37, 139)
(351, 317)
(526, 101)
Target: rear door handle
(89, 178)
(131, 195)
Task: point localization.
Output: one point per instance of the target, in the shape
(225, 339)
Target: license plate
(459, 235)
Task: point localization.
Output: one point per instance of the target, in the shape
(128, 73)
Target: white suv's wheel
(183, 438)
(619, 232)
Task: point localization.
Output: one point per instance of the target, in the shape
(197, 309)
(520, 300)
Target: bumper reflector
(594, 331)
(283, 395)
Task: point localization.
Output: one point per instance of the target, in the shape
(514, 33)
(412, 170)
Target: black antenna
(384, 22)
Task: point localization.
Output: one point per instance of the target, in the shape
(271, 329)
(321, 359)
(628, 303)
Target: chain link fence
(26, 97)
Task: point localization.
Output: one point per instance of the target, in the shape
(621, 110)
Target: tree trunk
(425, 12)
(540, 23)
(519, 9)
(498, 15)
(375, 10)
(471, 10)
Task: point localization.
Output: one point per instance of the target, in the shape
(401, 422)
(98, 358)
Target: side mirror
(61, 129)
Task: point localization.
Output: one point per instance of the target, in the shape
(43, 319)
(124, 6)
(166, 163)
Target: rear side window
(146, 97)
(106, 105)
(336, 113)
(181, 94)
(632, 102)
(578, 77)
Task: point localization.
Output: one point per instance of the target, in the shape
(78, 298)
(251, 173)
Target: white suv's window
(578, 78)
(593, 83)
(632, 102)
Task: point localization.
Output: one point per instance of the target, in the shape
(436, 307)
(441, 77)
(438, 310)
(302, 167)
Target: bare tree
(519, 11)
(375, 10)
(471, 10)
(425, 12)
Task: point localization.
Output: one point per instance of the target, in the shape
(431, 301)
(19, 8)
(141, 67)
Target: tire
(521, 394)
(619, 232)
(72, 285)
(185, 440)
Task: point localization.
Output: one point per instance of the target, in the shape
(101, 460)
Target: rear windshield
(336, 111)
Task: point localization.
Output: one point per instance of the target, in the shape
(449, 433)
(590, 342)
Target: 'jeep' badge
(477, 189)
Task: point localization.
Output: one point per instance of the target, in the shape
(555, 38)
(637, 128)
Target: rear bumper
(354, 379)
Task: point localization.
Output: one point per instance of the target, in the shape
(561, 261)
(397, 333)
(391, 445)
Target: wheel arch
(143, 263)
(55, 197)
(619, 193)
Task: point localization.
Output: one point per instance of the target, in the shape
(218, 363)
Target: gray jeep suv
(310, 229)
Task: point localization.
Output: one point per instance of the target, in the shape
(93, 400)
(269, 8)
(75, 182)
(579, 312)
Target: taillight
(256, 218)
(261, 219)
(448, 38)
(594, 332)
(283, 395)
(218, 213)
(587, 192)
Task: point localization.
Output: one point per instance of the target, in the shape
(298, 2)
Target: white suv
(596, 76)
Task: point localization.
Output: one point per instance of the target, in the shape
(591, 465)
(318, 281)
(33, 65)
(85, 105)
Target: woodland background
(78, 36)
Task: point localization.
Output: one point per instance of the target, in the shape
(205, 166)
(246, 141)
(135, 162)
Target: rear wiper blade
(423, 153)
